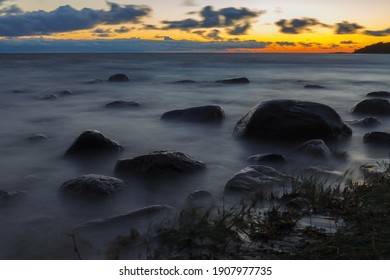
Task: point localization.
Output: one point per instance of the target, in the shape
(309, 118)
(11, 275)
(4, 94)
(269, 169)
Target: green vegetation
(360, 214)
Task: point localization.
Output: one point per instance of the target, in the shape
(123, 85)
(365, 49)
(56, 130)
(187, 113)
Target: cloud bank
(66, 18)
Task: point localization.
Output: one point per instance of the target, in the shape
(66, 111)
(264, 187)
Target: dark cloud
(309, 45)
(240, 29)
(298, 26)
(378, 33)
(349, 42)
(122, 29)
(124, 45)
(10, 10)
(214, 35)
(346, 27)
(66, 18)
(150, 27)
(189, 3)
(165, 38)
(238, 18)
(286, 44)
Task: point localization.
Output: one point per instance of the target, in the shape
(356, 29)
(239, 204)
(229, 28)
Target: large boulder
(315, 148)
(378, 94)
(291, 120)
(208, 113)
(373, 106)
(101, 238)
(92, 186)
(93, 143)
(118, 78)
(257, 180)
(240, 80)
(365, 122)
(377, 137)
(158, 163)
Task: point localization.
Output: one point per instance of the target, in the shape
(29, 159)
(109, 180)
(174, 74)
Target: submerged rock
(377, 137)
(315, 148)
(6, 196)
(291, 120)
(48, 97)
(93, 143)
(37, 137)
(373, 106)
(97, 239)
(158, 163)
(66, 92)
(92, 186)
(241, 80)
(185, 82)
(208, 113)
(378, 94)
(365, 122)
(119, 78)
(314, 87)
(121, 104)
(199, 199)
(268, 159)
(257, 180)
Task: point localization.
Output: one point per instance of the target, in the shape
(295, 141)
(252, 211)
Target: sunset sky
(192, 25)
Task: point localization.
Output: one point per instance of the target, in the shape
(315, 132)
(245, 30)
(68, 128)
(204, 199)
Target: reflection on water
(40, 218)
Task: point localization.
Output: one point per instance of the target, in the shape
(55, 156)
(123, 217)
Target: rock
(208, 113)
(314, 86)
(97, 239)
(377, 137)
(49, 97)
(375, 171)
(66, 92)
(257, 179)
(92, 186)
(3, 195)
(291, 120)
(6, 196)
(185, 82)
(268, 159)
(119, 78)
(93, 143)
(158, 163)
(373, 106)
(241, 80)
(199, 199)
(378, 94)
(365, 122)
(37, 137)
(121, 104)
(315, 148)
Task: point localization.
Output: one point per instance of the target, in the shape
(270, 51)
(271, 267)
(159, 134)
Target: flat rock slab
(284, 120)
(92, 186)
(158, 163)
(208, 113)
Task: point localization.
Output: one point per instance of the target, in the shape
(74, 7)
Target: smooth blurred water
(34, 226)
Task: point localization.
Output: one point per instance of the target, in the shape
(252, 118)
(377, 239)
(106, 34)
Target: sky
(192, 25)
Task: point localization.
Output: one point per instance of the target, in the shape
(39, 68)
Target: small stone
(241, 80)
(119, 78)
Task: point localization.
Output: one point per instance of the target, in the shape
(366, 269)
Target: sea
(62, 95)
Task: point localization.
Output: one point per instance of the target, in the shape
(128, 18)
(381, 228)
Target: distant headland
(375, 48)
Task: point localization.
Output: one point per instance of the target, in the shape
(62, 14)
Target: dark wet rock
(122, 104)
(185, 82)
(37, 137)
(92, 186)
(158, 163)
(377, 137)
(257, 179)
(314, 87)
(375, 171)
(48, 97)
(315, 148)
(119, 78)
(365, 122)
(373, 106)
(291, 120)
(93, 143)
(96, 239)
(268, 159)
(199, 199)
(378, 94)
(66, 92)
(241, 80)
(208, 113)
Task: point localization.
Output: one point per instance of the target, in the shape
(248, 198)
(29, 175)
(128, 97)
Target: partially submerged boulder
(377, 137)
(378, 94)
(372, 106)
(365, 122)
(313, 86)
(208, 113)
(291, 120)
(268, 159)
(240, 80)
(185, 82)
(37, 137)
(92, 186)
(121, 104)
(199, 199)
(97, 239)
(257, 179)
(315, 148)
(120, 77)
(92, 143)
(375, 171)
(158, 163)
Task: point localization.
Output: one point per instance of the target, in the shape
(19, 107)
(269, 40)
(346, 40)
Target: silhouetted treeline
(375, 48)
